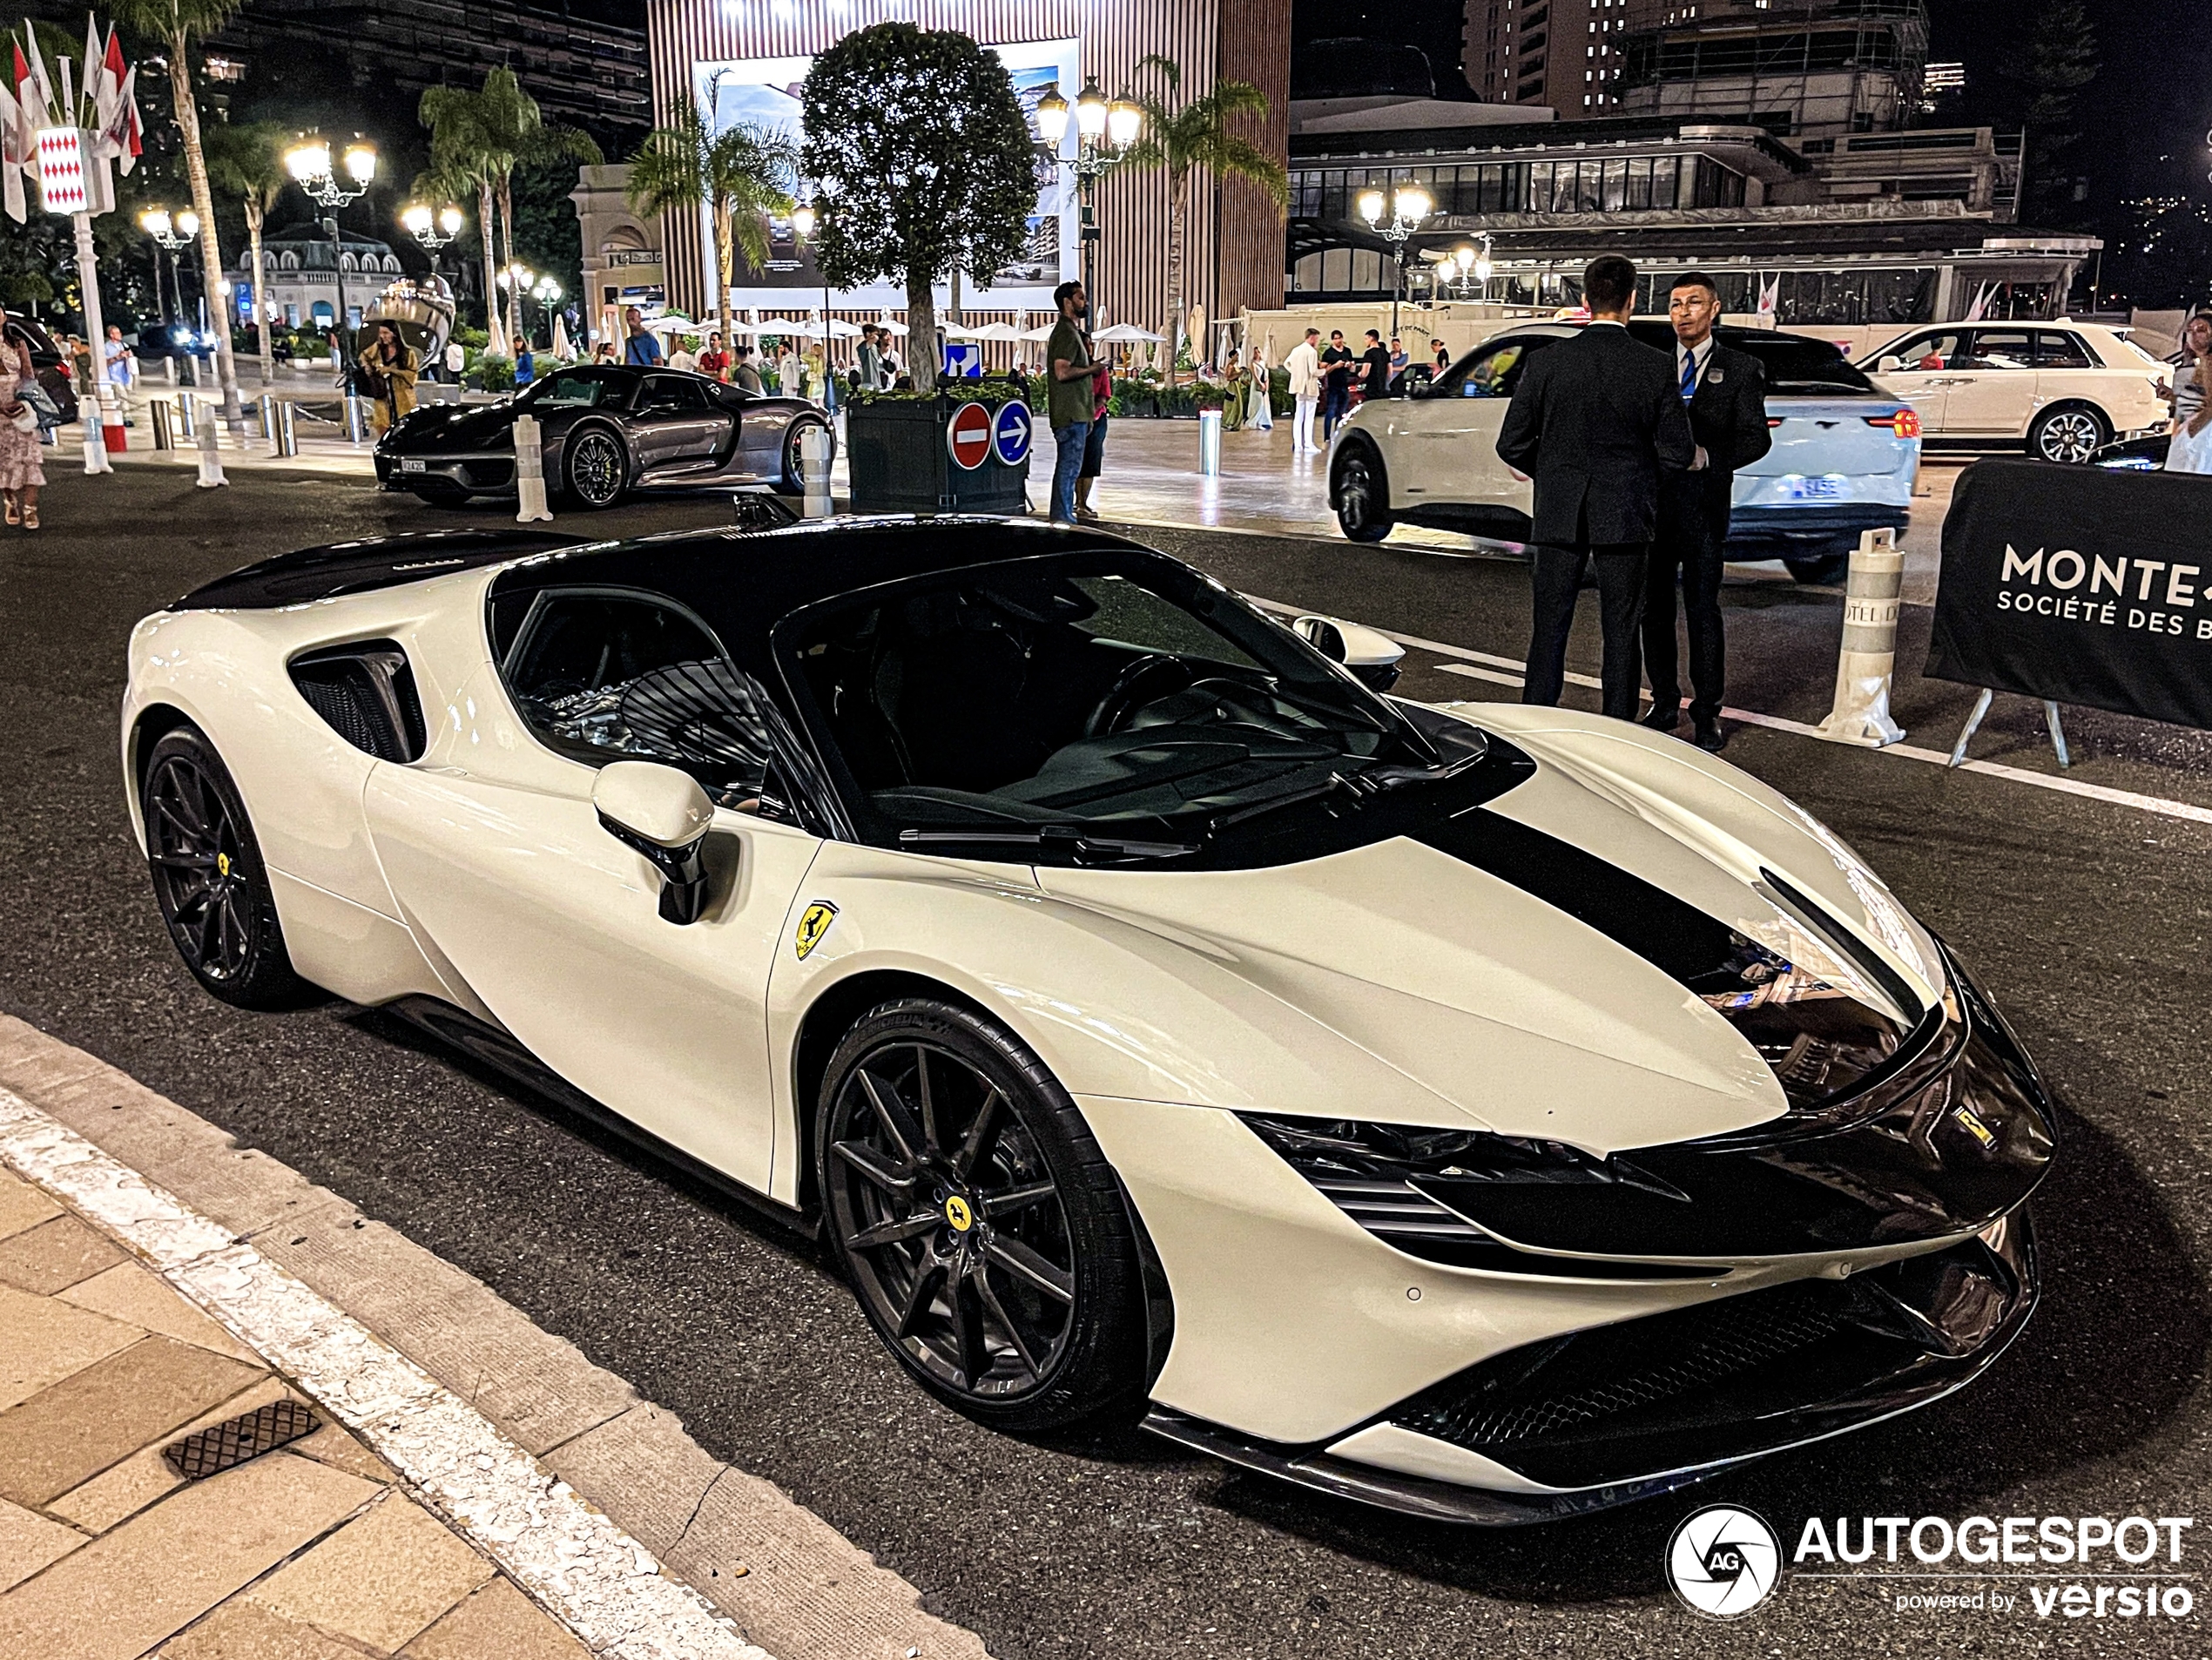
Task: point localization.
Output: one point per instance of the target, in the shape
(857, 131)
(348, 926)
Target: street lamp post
(1408, 205)
(433, 232)
(173, 234)
(309, 164)
(1104, 134)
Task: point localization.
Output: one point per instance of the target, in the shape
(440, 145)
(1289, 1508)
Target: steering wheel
(1154, 675)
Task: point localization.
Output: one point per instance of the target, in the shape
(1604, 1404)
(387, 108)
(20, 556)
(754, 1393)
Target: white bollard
(96, 459)
(1210, 444)
(815, 471)
(529, 472)
(211, 463)
(1863, 671)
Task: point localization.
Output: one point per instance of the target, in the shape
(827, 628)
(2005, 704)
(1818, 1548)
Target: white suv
(2062, 389)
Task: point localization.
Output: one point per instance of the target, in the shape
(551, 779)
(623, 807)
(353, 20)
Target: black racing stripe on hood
(1672, 935)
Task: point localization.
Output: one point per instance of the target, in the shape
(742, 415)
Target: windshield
(1088, 707)
(570, 389)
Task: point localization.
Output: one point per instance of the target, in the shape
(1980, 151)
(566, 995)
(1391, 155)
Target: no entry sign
(968, 435)
(1011, 432)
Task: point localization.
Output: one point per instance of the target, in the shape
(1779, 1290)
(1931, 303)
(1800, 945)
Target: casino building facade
(743, 60)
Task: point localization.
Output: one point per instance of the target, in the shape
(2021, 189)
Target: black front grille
(1738, 1375)
(1557, 1387)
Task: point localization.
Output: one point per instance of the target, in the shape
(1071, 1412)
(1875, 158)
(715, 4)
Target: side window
(1929, 351)
(1492, 371)
(672, 392)
(2000, 348)
(605, 676)
(2057, 350)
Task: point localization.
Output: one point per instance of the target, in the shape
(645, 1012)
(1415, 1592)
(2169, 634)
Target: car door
(1455, 429)
(1917, 368)
(1992, 393)
(499, 863)
(674, 425)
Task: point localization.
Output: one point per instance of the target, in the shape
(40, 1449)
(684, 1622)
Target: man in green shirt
(1067, 399)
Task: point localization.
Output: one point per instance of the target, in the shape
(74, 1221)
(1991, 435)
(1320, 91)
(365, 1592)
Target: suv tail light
(1905, 423)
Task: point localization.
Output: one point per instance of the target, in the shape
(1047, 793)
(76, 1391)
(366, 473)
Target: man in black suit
(1725, 392)
(1596, 422)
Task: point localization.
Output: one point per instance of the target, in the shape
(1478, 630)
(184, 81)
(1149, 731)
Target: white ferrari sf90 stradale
(1492, 1113)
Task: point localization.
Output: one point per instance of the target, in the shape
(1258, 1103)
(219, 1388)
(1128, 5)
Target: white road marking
(1508, 672)
(597, 1580)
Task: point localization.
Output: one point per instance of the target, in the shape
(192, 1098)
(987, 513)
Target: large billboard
(765, 92)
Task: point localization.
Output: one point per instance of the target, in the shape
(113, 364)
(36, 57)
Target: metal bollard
(164, 422)
(529, 472)
(187, 415)
(815, 471)
(1210, 444)
(211, 462)
(287, 436)
(1869, 657)
(356, 420)
(268, 417)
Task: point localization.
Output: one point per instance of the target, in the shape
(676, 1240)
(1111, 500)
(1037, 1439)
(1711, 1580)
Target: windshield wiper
(1058, 838)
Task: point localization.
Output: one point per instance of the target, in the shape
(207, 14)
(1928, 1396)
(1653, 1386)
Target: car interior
(1028, 697)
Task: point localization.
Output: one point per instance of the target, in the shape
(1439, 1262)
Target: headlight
(1820, 1041)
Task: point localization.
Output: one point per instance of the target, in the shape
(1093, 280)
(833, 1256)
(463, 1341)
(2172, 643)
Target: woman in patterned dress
(21, 474)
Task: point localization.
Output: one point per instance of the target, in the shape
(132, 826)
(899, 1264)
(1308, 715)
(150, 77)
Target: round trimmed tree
(922, 164)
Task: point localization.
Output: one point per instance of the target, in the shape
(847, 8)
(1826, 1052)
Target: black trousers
(1693, 526)
(1557, 578)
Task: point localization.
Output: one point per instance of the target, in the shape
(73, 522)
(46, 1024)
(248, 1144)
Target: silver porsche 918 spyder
(1489, 1112)
(605, 432)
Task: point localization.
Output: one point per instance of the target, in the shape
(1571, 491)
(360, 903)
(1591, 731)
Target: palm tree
(744, 175)
(247, 162)
(176, 25)
(462, 164)
(1199, 133)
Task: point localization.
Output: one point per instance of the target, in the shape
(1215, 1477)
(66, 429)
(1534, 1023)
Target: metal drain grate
(232, 1442)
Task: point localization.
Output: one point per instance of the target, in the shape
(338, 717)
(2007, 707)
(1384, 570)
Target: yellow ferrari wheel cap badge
(958, 1214)
(813, 923)
(222, 864)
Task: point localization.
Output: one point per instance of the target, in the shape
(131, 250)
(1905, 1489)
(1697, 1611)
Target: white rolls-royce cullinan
(1488, 1112)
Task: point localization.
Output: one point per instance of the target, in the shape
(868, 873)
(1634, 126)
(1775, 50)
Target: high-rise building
(1566, 54)
(1799, 68)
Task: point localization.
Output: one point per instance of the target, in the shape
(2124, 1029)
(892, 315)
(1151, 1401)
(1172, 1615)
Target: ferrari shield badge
(814, 923)
(1971, 1123)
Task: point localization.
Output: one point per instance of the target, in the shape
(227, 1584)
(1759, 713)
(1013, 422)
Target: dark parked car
(605, 431)
(52, 366)
(2136, 455)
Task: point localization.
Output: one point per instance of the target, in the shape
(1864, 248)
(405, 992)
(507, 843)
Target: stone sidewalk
(311, 1552)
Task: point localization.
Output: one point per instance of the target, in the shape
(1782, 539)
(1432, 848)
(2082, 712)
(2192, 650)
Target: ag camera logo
(1723, 1561)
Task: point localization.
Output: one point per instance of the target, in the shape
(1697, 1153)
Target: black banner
(2080, 584)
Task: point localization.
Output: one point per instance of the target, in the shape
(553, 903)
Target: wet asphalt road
(2088, 921)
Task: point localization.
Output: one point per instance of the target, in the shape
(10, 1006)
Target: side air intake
(365, 692)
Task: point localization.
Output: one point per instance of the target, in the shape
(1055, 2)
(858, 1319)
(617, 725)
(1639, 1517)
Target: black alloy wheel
(208, 877)
(981, 1228)
(1363, 504)
(597, 468)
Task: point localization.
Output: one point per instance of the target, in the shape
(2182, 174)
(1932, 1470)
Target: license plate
(411, 466)
(1815, 489)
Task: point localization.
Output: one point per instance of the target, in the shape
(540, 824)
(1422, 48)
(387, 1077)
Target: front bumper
(1627, 1412)
(1855, 1272)
(1824, 521)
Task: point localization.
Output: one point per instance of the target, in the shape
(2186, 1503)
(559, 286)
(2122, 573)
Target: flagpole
(88, 280)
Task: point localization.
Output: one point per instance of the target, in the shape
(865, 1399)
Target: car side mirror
(1888, 366)
(663, 815)
(1373, 656)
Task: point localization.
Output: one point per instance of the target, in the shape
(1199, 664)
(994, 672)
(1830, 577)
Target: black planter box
(895, 450)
